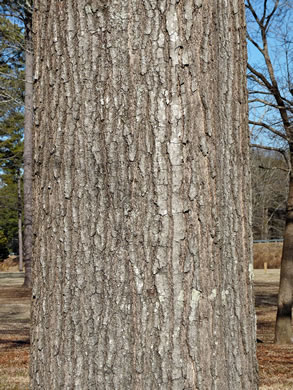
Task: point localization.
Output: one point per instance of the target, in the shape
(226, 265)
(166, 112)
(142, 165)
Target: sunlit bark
(142, 258)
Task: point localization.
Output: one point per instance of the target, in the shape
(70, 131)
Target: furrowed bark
(142, 258)
(19, 217)
(28, 156)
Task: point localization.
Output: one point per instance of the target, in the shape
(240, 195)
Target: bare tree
(271, 88)
(142, 272)
(269, 177)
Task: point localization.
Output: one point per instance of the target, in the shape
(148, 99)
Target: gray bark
(19, 216)
(142, 275)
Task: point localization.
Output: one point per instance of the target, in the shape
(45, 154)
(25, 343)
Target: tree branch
(274, 149)
(249, 6)
(266, 103)
(260, 76)
(254, 43)
(270, 128)
(271, 14)
(259, 92)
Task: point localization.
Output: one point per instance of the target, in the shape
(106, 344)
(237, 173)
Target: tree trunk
(19, 215)
(283, 330)
(27, 154)
(142, 274)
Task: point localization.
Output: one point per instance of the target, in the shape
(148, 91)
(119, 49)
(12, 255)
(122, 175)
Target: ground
(275, 362)
(14, 332)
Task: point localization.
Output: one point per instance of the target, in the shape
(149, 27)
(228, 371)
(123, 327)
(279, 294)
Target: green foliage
(12, 65)
(11, 95)
(4, 252)
(9, 213)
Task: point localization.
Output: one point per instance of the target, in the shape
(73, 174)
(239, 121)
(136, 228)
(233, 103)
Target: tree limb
(261, 77)
(270, 128)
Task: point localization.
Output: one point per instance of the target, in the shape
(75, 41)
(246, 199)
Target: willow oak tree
(271, 88)
(22, 11)
(142, 275)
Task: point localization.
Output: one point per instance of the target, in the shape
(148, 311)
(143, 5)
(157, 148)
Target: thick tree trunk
(283, 330)
(19, 216)
(142, 275)
(27, 155)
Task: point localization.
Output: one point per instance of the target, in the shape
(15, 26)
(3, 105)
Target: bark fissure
(141, 216)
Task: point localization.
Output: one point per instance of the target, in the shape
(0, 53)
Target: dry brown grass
(14, 361)
(268, 252)
(9, 265)
(275, 361)
(14, 329)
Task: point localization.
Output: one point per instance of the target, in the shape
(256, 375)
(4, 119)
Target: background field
(275, 362)
(269, 253)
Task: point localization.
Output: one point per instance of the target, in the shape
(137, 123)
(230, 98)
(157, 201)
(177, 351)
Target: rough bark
(142, 274)
(27, 154)
(283, 330)
(19, 216)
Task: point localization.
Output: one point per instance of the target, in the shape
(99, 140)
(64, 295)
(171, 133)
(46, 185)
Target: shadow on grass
(266, 300)
(14, 344)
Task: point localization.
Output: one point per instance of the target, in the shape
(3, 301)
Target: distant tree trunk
(273, 93)
(142, 275)
(283, 331)
(27, 155)
(19, 212)
(265, 224)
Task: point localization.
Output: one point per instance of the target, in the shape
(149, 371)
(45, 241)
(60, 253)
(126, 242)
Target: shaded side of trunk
(283, 330)
(19, 216)
(142, 275)
(27, 154)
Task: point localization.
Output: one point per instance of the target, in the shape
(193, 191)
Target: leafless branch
(254, 43)
(272, 148)
(260, 76)
(259, 92)
(267, 103)
(271, 14)
(270, 128)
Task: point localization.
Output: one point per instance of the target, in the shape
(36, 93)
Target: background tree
(11, 132)
(271, 23)
(142, 256)
(22, 11)
(269, 194)
(270, 87)
(3, 246)
(9, 213)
